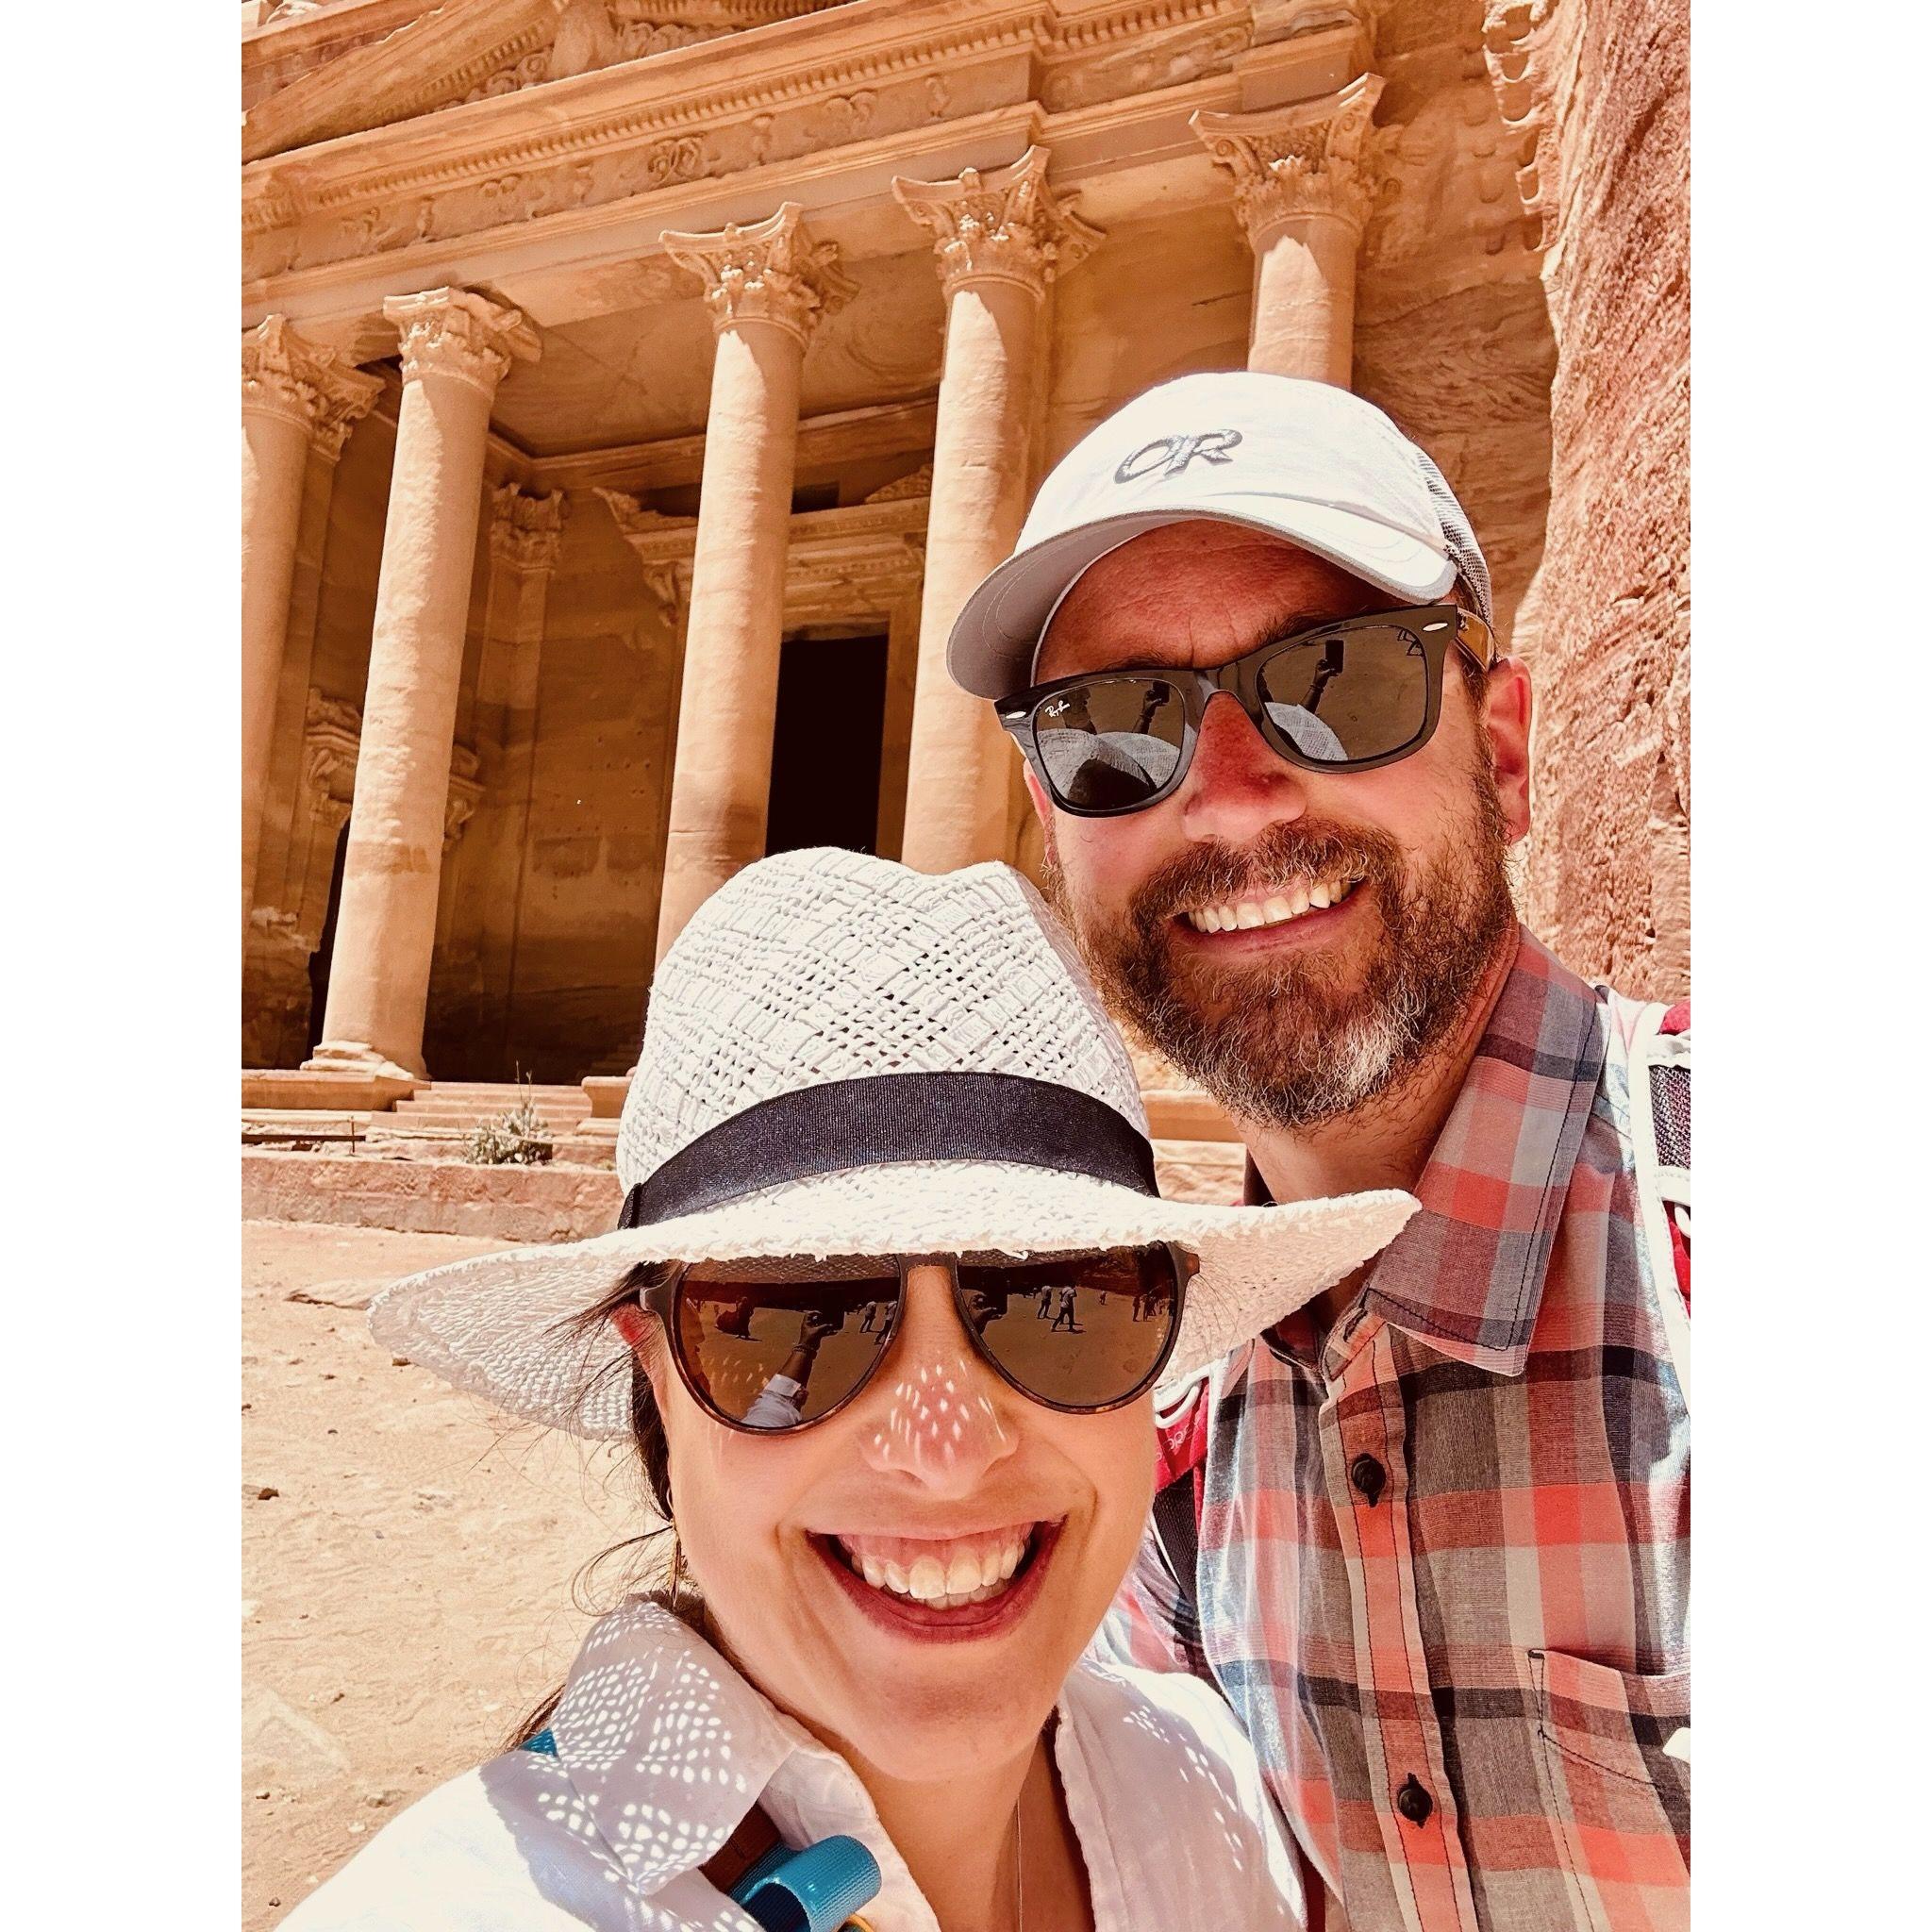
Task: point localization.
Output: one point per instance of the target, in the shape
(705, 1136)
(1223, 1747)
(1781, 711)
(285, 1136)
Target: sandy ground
(408, 1559)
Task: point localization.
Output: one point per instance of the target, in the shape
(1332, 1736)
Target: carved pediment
(467, 50)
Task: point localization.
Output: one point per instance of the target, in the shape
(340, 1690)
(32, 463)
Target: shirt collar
(1467, 1273)
(668, 1748)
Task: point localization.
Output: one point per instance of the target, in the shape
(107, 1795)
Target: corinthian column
(526, 540)
(1000, 238)
(766, 286)
(456, 347)
(292, 394)
(1303, 187)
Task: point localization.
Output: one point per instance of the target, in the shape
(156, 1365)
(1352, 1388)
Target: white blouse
(663, 1749)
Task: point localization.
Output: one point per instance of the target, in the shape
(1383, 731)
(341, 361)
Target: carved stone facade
(633, 388)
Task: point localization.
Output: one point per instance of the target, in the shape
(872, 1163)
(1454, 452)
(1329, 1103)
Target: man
(1441, 1571)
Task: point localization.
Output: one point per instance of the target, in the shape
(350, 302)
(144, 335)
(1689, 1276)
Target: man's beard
(1281, 1041)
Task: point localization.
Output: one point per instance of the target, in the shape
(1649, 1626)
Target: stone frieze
(641, 131)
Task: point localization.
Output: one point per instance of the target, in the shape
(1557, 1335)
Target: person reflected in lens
(781, 1402)
(898, 1507)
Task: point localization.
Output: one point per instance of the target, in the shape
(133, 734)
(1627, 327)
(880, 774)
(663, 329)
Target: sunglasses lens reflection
(1079, 1331)
(1110, 742)
(771, 1345)
(1360, 695)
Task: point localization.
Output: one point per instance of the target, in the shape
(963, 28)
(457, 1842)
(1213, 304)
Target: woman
(879, 1128)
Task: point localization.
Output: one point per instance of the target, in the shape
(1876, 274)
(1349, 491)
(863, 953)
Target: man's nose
(938, 1413)
(1239, 785)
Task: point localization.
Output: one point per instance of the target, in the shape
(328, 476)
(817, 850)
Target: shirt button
(1368, 1475)
(1413, 1802)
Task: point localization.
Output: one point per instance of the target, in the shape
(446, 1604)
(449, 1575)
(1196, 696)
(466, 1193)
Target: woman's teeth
(1244, 915)
(941, 1575)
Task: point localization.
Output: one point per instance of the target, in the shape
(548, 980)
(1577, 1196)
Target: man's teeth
(943, 1576)
(1246, 914)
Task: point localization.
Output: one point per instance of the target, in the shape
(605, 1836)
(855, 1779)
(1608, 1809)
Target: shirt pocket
(1619, 1805)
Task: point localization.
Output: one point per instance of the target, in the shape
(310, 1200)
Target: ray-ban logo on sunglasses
(1171, 455)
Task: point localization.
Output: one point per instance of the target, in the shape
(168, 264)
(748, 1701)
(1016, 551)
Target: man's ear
(1507, 707)
(1043, 805)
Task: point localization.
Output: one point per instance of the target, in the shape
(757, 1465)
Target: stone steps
(466, 1104)
(556, 1119)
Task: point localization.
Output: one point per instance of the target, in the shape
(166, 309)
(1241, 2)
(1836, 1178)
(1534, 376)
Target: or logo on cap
(1171, 455)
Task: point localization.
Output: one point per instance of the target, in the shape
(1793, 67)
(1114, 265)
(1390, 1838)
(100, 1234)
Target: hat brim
(500, 1325)
(991, 647)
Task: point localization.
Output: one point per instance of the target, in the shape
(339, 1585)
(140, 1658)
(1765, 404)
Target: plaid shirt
(1443, 1550)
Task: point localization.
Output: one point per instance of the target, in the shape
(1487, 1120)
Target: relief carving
(902, 487)
(663, 547)
(594, 34)
(331, 736)
(465, 794)
(1154, 58)
(663, 163)
(847, 116)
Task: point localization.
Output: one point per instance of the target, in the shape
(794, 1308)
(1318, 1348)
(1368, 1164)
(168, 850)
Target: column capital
(458, 333)
(527, 529)
(1312, 157)
(318, 389)
(1005, 226)
(770, 271)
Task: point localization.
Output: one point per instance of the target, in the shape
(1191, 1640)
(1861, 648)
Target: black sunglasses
(774, 1345)
(1345, 697)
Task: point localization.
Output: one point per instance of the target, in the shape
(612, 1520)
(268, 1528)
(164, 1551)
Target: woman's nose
(941, 1415)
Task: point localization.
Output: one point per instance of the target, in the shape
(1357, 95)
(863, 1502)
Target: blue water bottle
(813, 1891)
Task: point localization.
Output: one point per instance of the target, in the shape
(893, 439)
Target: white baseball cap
(1301, 459)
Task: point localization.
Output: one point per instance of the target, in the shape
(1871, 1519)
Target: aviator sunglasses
(1344, 696)
(771, 1346)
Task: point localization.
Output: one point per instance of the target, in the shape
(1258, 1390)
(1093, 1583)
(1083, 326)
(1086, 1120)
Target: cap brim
(497, 1324)
(992, 643)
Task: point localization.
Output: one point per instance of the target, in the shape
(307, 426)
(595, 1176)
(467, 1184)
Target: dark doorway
(326, 947)
(825, 750)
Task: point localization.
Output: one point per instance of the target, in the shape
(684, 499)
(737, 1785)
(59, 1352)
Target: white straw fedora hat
(845, 1057)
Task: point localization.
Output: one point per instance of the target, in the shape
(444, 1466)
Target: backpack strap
(1177, 1516)
(1660, 1138)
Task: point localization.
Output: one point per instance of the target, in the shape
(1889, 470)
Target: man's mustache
(1297, 854)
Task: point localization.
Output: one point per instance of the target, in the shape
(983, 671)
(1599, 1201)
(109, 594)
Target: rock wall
(1601, 91)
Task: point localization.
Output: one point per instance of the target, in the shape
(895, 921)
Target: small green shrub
(516, 1138)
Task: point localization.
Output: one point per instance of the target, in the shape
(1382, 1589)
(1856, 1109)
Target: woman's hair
(653, 1448)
